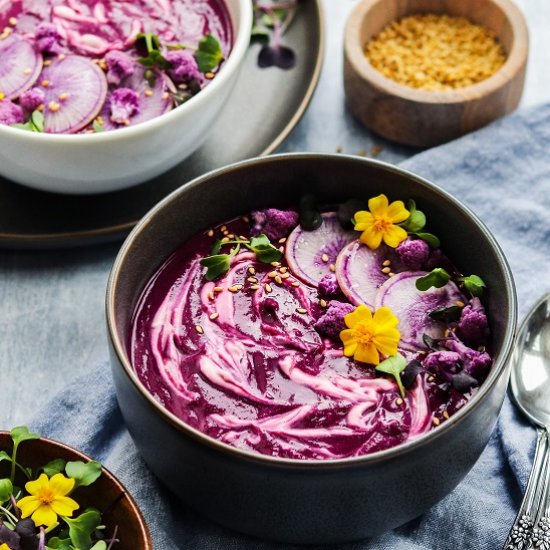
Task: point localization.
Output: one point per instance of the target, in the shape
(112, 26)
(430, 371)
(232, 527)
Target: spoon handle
(541, 531)
(521, 532)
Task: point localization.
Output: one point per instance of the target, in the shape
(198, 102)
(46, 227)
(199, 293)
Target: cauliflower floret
(124, 104)
(119, 66)
(331, 323)
(413, 253)
(475, 363)
(443, 363)
(48, 39)
(183, 66)
(273, 223)
(328, 286)
(10, 113)
(32, 99)
(473, 328)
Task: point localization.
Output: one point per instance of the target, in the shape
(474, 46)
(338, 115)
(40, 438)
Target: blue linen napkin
(503, 173)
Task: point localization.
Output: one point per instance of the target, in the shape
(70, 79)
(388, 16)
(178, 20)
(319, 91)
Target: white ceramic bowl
(97, 163)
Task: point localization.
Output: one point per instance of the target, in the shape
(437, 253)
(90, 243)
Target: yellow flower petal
(397, 212)
(38, 484)
(393, 235)
(361, 314)
(367, 354)
(28, 505)
(372, 239)
(387, 343)
(384, 316)
(64, 506)
(362, 220)
(44, 515)
(378, 205)
(4, 546)
(61, 485)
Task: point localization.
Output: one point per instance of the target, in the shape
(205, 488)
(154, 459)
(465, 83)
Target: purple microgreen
(449, 314)
(412, 370)
(209, 54)
(463, 382)
(394, 366)
(347, 210)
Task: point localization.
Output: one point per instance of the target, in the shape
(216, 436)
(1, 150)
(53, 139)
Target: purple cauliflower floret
(119, 66)
(48, 39)
(10, 113)
(32, 99)
(475, 363)
(444, 363)
(413, 253)
(273, 223)
(183, 66)
(124, 104)
(328, 286)
(473, 328)
(331, 323)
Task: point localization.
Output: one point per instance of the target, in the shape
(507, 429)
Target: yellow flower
(48, 499)
(379, 223)
(368, 335)
(4, 546)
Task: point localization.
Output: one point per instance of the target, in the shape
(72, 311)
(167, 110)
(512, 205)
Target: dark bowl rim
(136, 512)
(498, 369)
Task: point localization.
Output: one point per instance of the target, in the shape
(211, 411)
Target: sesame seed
(254, 287)
(282, 241)
(12, 21)
(323, 303)
(275, 264)
(211, 295)
(61, 57)
(53, 106)
(209, 75)
(210, 233)
(272, 274)
(285, 275)
(214, 316)
(245, 219)
(332, 267)
(218, 289)
(430, 379)
(435, 421)
(183, 86)
(301, 310)
(225, 239)
(226, 233)
(252, 280)
(281, 249)
(63, 96)
(459, 303)
(5, 33)
(268, 288)
(447, 333)
(386, 270)
(283, 269)
(165, 95)
(47, 63)
(446, 415)
(40, 107)
(243, 238)
(148, 92)
(324, 257)
(251, 270)
(27, 71)
(199, 329)
(223, 228)
(296, 283)
(235, 288)
(399, 401)
(391, 274)
(278, 280)
(386, 262)
(45, 83)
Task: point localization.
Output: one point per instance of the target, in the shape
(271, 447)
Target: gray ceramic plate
(265, 106)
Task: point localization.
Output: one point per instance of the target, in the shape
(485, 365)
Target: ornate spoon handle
(520, 537)
(541, 531)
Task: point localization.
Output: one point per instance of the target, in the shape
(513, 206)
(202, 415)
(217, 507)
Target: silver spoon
(530, 386)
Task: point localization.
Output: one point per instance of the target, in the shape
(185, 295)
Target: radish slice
(359, 271)
(412, 306)
(75, 91)
(305, 250)
(20, 65)
(153, 101)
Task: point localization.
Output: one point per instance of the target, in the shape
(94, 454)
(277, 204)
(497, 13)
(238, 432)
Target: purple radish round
(153, 101)
(20, 65)
(412, 306)
(75, 91)
(310, 254)
(359, 271)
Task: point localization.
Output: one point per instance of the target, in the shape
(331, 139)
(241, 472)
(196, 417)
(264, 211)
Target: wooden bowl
(423, 118)
(107, 494)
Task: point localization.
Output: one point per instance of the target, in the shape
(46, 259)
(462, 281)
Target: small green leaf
(394, 365)
(152, 45)
(437, 278)
(97, 127)
(216, 265)
(84, 473)
(216, 247)
(209, 54)
(474, 284)
(416, 220)
(37, 119)
(6, 489)
(264, 250)
(446, 314)
(56, 543)
(82, 527)
(22, 433)
(99, 545)
(432, 240)
(54, 467)
(4, 456)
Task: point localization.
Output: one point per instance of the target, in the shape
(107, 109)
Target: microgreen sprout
(394, 366)
(438, 278)
(414, 224)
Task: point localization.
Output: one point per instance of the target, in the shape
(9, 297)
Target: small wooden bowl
(423, 118)
(107, 494)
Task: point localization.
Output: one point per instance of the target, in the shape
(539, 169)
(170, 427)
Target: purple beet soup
(85, 66)
(269, 354)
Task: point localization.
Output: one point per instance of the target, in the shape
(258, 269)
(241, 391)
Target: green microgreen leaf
(99, 545)
(4, 456)
(473, 284)
(82, 527)
(394, 365)
(56, 543)
(437, 278)
(216, 247)
(446, 314)
(416, 220)
(84, 473)
(216, 265)
(54, 467)
(432, 240)
(152, 45)
(34, 124)
(6, 489)
(264, 250)
(97, 127)
(208, 54)
(18, 435)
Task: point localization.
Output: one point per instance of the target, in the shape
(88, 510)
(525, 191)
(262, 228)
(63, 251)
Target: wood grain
(422, 118)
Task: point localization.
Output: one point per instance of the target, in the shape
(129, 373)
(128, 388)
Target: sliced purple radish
(412, 306)
(359, 271)
(20, 65)
(75, 91)
(153, 101)
(310, 254)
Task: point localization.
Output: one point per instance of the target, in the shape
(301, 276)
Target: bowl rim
(515, 61)
(136, 511)
(498, 369)
(231, 65)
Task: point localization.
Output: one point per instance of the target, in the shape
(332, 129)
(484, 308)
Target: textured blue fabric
(503, 174)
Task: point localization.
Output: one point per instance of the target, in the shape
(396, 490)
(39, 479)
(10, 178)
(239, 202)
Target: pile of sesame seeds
(435, 52)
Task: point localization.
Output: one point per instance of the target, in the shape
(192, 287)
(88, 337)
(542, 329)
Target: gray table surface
(51, 302)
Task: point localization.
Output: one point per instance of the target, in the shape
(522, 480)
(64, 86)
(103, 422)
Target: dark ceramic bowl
(294, 500)
(107, 494)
